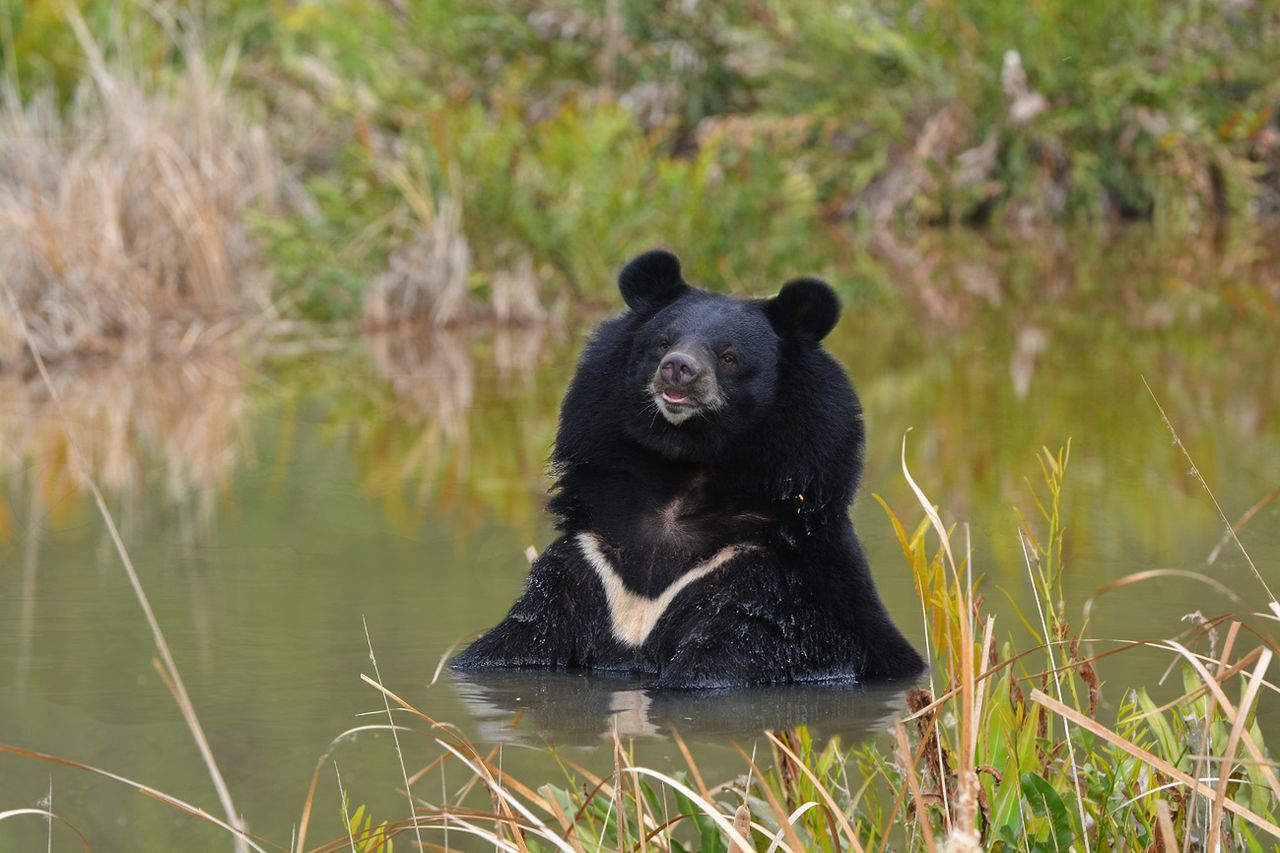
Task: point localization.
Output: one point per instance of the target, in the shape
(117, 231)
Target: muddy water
(273, 509)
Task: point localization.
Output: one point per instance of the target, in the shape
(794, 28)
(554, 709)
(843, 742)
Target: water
(275, 509)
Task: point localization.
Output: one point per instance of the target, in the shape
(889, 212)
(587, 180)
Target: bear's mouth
(676, 407)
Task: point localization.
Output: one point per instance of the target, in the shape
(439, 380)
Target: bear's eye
(664, 342)
(729, 358)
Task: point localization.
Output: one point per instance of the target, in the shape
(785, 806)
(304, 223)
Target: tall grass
(1014, 745)
(1009, 749)
(165, 664)
(124, 212)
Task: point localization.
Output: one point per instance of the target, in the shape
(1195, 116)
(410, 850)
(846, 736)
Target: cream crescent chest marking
(634, 615)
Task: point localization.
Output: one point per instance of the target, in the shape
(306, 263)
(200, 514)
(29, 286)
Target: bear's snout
(679, 370)
(684, 385)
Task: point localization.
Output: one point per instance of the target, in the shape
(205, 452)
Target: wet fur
(769, 472)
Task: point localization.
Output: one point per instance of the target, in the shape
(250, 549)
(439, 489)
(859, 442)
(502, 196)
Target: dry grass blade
(154, 793)
(619, 800)
(1123, 645)
(707, 808)
(1221, 678)
(1154, 574)
(598, 787)
(1195, 471)
(174, 680)
(432, 765)
(1096, 728)
(508, 781)
(50, 816)
(305, 820)
(789, 822)
(495, 772)
(568, 828)
(988, 637)
(1240, 523)
(742, 823)
(404, 704)
(779, 810)
(644, 823)
(506, 801)
(899, 800)
(658, 830)
(1164, 823)
(395, 736)
(913, 784)
(346, 818)
(1230, 711)
(1057, 683)
(444, 658)
(1233, 742)
(929, 511)
(965, 645)
(1228, 646)
(823, 791)
(692, 765)
(493, 838)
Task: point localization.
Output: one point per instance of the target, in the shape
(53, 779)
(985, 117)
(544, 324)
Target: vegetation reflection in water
(272, 503)
(989, 348)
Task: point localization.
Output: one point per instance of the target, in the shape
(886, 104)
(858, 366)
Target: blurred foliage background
(521, 150)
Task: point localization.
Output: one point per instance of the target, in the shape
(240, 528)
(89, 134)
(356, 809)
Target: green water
(274, 506)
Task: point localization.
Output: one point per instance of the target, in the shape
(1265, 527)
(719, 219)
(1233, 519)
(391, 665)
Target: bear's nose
(679, 369)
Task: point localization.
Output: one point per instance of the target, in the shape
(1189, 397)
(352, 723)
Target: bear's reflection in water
(532, 706)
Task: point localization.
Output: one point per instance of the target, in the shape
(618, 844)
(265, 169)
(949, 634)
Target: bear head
(701, 379)
(707, 368)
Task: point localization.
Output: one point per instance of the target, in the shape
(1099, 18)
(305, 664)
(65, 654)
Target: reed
(124, 213)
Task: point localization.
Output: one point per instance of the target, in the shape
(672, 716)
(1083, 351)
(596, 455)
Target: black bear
(707, 454)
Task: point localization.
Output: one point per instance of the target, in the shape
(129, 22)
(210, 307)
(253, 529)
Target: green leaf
(1169, 744)
(708, 832)
(1045, 803)
(354, 823)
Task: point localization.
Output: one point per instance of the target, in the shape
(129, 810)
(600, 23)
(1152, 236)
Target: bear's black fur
(707, 454)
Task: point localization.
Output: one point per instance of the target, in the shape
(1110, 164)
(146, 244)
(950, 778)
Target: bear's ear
(651, 281)
(805, 307)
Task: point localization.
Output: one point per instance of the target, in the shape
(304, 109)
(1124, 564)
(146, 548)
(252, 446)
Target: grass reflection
(173, 427)
(999, 351)
(989, 348)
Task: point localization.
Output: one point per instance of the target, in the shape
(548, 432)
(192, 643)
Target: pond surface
(274, 508)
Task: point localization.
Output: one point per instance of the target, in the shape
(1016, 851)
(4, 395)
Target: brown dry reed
(429, 278)
(124, 213)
